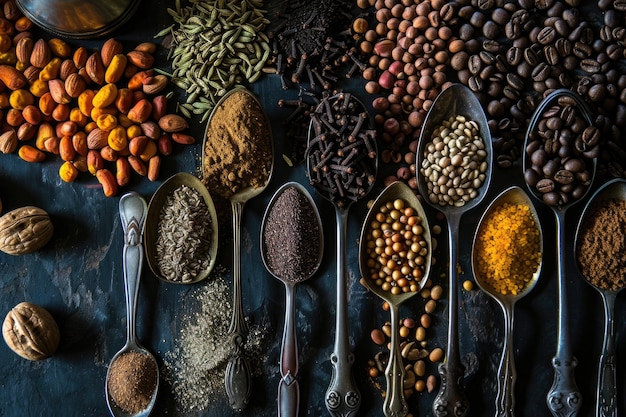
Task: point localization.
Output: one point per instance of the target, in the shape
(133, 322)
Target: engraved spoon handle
(607, 391)
(288, 388)
(505, 400)
(564, 399)
(395, 404)
(132, 209)
(237, 377)
(451, 400)
(342, 396)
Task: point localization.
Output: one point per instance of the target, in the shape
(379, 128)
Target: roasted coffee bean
(591, 136)
(546, 35)
(476, 84)
(491, 46)
(491, 30)
(545, 186)
(475, 64)
(575, 165)
(590, 65)
(487, 57)
(550, 168)
(510, 92)
(620, 5)
(539, 157)
(486, 4)
(531, 177)
(512, 30)
(541, 72)
(563, 47)
(500, 16)
(564, 176)
(530, 56)
(501, 64)
(551, 199)
(551, 55)
(582, 50)
(515, 81)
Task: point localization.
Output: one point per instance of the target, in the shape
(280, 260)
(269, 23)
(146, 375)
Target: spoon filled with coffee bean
(454, 163)
(599, 244)
(559, 164)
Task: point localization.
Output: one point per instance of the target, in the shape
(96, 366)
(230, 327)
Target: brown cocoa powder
(132, 380)
(602, 244)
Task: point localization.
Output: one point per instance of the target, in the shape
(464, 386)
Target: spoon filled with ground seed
(395, 252)
(600, 246)
(292, 244)
(559, 164)
(506, 262)
(454, 163)
(132, 380)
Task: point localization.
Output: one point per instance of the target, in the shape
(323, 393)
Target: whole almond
(11, 11)
(67, 68)
(26, 131)
(32, 73)
(97, 139)
(74, 85)
(8, 141)
(151, 129)
(95, 68)
(140, 59)
(110, 48)
(24, 49)
(154, 85)
(173, 123)
(41, 54)
(149, 47)
(58, 92)
(80, 57)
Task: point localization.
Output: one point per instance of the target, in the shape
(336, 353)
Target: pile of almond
(102, 111)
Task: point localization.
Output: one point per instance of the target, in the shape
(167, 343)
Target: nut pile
(101, 111)
(418, 359)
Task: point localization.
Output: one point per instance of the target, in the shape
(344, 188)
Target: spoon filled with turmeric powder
(506, 262)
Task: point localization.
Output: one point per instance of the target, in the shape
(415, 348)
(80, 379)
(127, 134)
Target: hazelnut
(31, 332)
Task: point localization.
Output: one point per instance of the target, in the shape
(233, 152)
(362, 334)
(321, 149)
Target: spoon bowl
(343, 398)
(288, 388)
(237, 378)
(606, 392)
(454, 100)
(395, 403)
(505, 400)
(564, 363)
(133, 209)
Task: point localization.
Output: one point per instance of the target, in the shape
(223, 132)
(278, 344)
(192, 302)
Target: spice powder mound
(602, 244)
(132, 381)
(238, 146)
(292, 236)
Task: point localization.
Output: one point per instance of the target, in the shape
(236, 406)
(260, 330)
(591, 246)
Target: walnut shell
(31, 332)
(24, 230)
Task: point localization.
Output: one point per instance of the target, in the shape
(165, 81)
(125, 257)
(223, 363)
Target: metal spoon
(563, 399)
(132, 208)
(395, 404)
(505, 400)
(455, 100)
(288, 388)
(237, 376)
(606, 396)
(342, 396)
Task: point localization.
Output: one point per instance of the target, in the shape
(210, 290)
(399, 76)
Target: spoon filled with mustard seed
(132, 380)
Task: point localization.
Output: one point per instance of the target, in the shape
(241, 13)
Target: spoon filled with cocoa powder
(600, 245)
(132, 380)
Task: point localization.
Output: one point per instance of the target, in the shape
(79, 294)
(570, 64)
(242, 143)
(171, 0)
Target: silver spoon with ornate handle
(606, 394)
(564, 398)
(456, 100)
(343, 398)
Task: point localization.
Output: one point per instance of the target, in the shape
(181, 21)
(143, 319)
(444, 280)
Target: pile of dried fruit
(102, 111)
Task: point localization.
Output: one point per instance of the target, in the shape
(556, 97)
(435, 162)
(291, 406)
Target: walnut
(31, 332)
(24, 230)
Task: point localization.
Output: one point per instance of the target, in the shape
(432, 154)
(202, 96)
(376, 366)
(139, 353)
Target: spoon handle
(564, 399)
(505, 401)
(607, 392)
(288, 388)
(237, 376)
(132, 209)
(395, 404)
(451, 400)
(342, 396)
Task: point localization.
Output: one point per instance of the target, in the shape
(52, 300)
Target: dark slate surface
(78, 278)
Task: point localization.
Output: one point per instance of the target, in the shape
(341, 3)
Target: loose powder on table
(508, 248)
(132, 381)
(184, 235)
(195, 366)
(292, 236)
(238, 146)
(602, 245)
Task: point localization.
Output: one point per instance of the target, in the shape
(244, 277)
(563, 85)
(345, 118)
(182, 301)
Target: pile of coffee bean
(559, 155)
(510, 53)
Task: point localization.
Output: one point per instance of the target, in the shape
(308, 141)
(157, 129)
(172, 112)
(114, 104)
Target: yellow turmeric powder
(508, 249)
